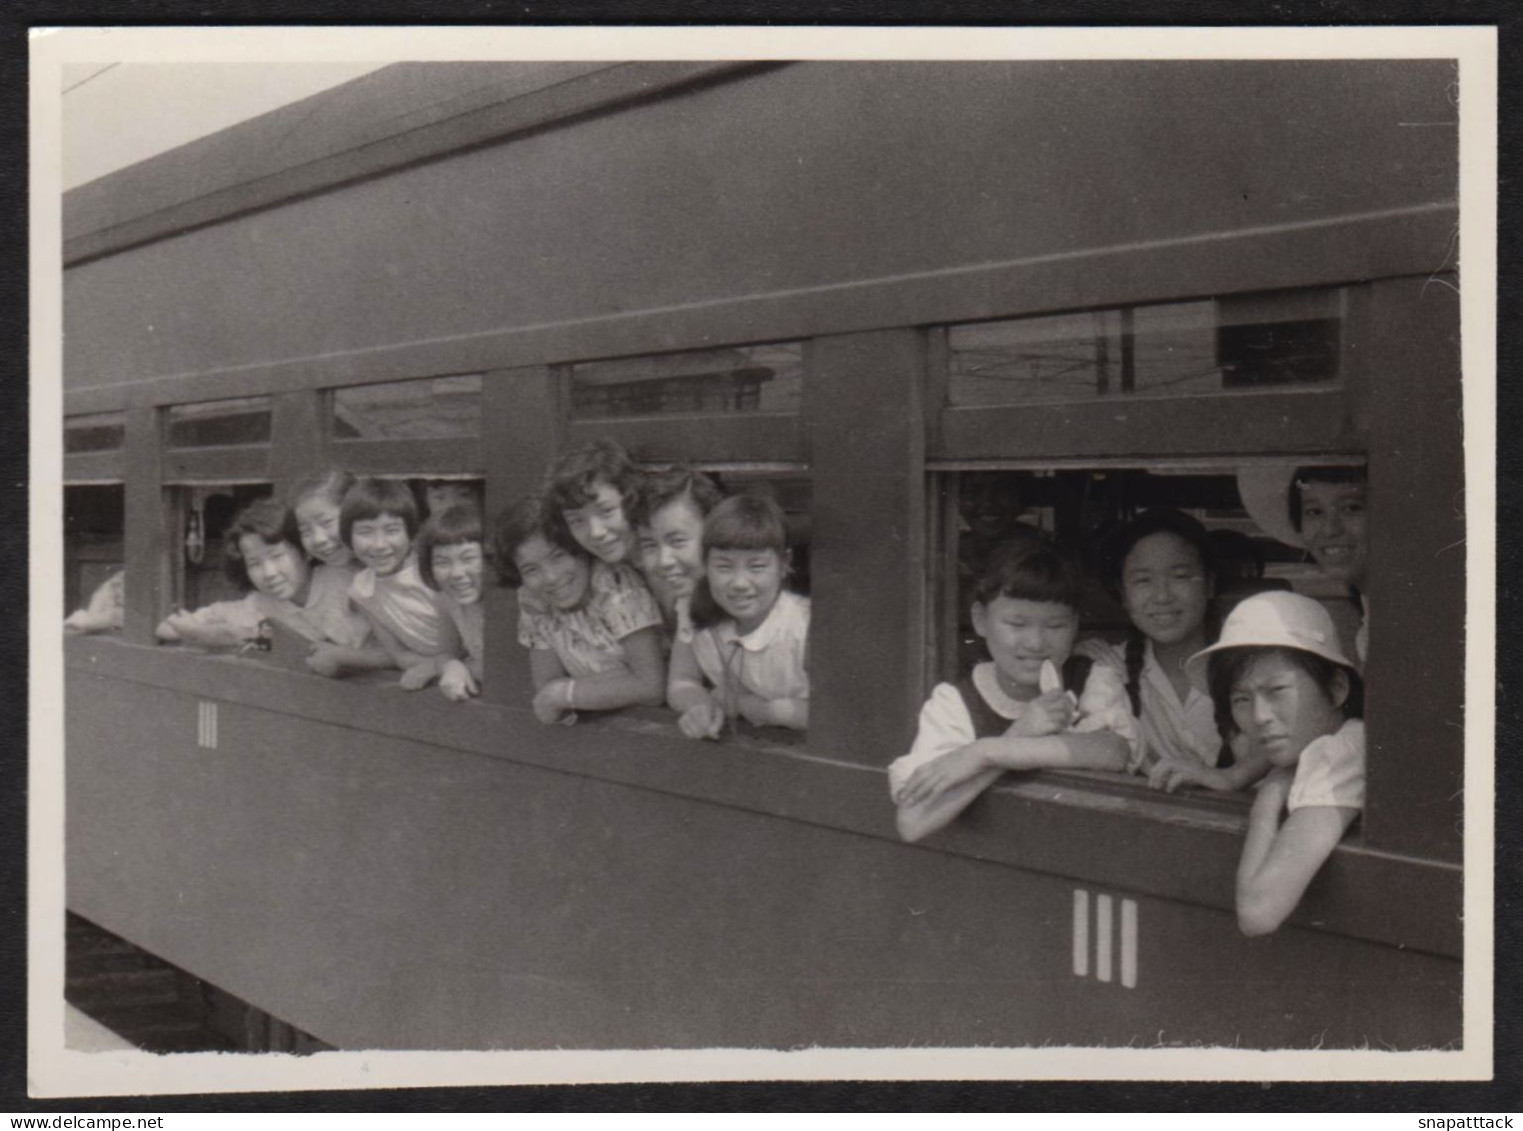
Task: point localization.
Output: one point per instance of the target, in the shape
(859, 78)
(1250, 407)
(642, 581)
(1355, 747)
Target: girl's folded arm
(639, 682)
(1093, 750)
(1280, 860)
(923, 815)
(684, 682)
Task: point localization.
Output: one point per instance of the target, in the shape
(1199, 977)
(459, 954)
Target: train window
(219, 424)
(739, 379)
(98, 432)
(1221, 345)
(437, 408)
(201, 516)
(1082, 508)
(94, 547)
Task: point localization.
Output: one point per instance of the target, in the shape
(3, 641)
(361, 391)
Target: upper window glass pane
(220, 424)
(1225, 345)
(765, 378)
(437, 408)
(101, 432)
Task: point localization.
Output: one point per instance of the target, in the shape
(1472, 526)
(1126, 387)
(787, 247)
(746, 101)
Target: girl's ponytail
(1136, 643)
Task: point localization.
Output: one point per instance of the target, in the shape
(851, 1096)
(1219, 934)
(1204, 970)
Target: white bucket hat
(1274, 620)
(1265, 491)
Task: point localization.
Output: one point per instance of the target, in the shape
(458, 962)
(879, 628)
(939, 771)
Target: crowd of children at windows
(638, 587)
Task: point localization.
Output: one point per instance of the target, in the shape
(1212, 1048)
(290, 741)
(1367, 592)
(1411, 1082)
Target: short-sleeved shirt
(946, 725)
(589, 639)
(406, 608)
(330, 611)
(770, 662)
(1167, 728)
(1331, 770)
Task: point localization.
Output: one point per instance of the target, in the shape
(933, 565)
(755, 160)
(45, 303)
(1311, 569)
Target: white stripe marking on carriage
(1129, 943)
(1103, 938)
(1081, 933)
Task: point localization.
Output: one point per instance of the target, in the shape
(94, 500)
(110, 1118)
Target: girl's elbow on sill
(1259, 914)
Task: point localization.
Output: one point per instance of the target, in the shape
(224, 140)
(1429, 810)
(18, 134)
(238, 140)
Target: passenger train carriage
(894, 293)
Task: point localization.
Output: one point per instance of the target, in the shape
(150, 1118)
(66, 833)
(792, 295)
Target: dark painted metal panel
(298, 443)
(1105, 829)
(1415, 674)
(1149, 428)
(521, 423)
(1337, 251)
(693, 200)
(868, 555)
(377, 892)
(273, 158)
(216, 465)
(738, 438)
(460, 456)
(94, 467)
(149, 543)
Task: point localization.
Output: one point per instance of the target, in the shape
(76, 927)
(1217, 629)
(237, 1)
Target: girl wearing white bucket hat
(1282, 685)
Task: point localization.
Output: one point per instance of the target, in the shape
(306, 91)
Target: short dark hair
(658, 488)
(1030, 568)
(370, 498)
(1226, 667)
(267, 520)
(572, 479)
(454, 526)
(519, 522)
(746, 522)
(1304, 475)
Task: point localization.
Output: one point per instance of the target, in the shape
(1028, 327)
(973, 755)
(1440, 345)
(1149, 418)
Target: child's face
(678, 559)
(600, 527)
(276, 569)
(1279, 708)
(381, 543)
(1164, 588)
(559, 579)
(745, 584)
(1333, 527)
(457, 569)
(317, 522)
(441, 496)
(1021, 634)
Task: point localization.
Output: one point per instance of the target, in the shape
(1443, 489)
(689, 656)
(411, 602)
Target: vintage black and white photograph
(738, 552)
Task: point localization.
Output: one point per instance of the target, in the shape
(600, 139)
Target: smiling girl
(378, 521)
(451, 558)
(592, 629)
(668, 515)
(262, 555)
(1281, 683)
(349, 644)
(749, 641)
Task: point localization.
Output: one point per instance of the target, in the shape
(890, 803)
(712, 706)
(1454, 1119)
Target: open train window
(94, 550)
(199, 518)
(1083, 509)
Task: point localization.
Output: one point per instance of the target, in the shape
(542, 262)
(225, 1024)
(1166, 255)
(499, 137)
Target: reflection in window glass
(767, 378)
(101, 432)
(220, 424)
(438, 408)
(1210, 346)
